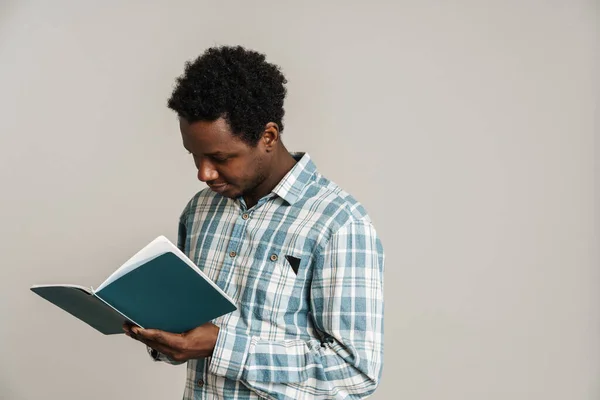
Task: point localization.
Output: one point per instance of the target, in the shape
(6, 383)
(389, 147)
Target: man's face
(226, 163)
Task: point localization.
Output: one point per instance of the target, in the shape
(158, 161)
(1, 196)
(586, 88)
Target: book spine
(108, 304)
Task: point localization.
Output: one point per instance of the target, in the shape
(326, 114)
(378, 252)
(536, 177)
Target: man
(298, 255)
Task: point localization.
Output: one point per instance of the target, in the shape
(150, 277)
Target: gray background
(466, 128)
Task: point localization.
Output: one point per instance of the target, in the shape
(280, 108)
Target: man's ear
(270, 136)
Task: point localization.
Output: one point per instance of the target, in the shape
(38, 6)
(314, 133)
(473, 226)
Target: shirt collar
(292, 185)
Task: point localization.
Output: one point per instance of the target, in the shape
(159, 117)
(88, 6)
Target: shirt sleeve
(158, 356)
(347, 307)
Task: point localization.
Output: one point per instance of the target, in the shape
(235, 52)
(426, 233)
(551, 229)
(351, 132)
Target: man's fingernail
(135, 330)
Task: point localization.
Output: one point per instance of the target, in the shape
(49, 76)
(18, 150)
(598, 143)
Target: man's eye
(220, 159)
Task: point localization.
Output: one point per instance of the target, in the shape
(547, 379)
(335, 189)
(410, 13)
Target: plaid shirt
(305, 267)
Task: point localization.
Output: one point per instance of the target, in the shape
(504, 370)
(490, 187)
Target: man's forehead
(212, 136)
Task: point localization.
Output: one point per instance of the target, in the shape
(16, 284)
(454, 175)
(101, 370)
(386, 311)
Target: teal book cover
(158, 288)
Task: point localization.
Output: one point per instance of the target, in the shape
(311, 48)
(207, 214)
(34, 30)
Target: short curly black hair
(234, 83)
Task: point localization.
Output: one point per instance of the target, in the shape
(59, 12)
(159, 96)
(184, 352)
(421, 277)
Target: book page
(175, 250)
(158, 246)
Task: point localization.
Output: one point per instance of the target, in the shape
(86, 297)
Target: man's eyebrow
(217, 153)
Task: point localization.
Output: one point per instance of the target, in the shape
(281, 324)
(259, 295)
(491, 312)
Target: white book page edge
(159, 246)
(174, 249)
(150, 251)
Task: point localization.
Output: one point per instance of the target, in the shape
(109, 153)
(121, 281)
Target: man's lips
(217, 187)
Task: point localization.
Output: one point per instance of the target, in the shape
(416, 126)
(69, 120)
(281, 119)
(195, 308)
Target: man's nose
(206, 171)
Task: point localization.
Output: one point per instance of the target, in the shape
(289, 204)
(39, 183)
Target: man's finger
(148, 334)
(172, 340)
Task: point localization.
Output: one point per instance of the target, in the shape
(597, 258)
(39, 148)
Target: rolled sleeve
(230, 354)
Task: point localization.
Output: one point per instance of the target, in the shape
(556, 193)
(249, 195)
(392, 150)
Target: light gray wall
(465, 128)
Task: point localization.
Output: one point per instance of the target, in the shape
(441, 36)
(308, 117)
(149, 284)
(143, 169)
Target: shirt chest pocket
(272, 288)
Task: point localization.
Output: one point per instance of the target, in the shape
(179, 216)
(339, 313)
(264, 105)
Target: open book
(159, 288)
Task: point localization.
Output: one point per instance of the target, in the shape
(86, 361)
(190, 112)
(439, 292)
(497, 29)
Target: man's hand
(196, 343)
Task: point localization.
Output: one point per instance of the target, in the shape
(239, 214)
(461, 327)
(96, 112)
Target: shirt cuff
(230, 355)
(154, 354)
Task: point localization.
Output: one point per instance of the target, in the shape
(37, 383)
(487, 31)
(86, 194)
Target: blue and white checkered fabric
(305, 267)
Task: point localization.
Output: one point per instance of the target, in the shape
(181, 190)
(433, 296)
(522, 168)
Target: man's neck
(281, 166)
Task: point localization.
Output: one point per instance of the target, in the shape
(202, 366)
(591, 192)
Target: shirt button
(273, 257)
(245, 216)
(200, 383)
(232, 254)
